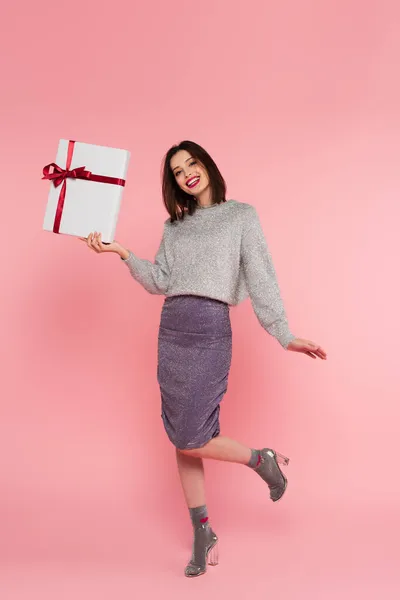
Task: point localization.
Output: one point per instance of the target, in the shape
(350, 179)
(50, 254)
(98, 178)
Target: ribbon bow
(58, 175)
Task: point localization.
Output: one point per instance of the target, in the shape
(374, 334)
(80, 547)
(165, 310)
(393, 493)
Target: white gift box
(89, 205)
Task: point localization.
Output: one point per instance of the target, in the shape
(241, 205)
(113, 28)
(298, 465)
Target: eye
(193, 162)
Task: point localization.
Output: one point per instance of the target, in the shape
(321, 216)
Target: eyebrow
(190, 157)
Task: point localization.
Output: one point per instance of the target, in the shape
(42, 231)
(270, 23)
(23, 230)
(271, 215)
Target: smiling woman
(212, 255)
(191, 179)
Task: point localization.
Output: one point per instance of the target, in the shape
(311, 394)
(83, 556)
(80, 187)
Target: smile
(193, 182)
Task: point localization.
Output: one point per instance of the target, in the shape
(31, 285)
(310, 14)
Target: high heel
(205, 551)
(269, 470)
(283, 460)
(213, 555)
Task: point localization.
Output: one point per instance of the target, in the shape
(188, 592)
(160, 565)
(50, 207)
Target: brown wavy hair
(176, 201)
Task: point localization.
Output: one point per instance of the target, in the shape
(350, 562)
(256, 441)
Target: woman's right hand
(94, 242)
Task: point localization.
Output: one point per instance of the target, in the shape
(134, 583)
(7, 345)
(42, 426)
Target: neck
(204, 198)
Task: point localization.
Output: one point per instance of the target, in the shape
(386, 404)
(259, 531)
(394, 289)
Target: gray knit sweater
(219, 252)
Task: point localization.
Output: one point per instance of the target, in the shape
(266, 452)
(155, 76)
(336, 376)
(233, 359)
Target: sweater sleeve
(153, 276)
(262, 282)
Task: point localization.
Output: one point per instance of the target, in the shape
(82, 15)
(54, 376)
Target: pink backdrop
(298, 103)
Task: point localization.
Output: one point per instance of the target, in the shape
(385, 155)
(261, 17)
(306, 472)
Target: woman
(212, 255)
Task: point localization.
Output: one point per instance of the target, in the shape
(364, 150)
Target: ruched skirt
(194, 359)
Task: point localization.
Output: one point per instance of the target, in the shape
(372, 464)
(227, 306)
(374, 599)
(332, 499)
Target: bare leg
(191, 473)
(264, 461)
(222, 448)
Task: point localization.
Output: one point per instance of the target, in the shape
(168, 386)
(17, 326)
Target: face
(189, 174)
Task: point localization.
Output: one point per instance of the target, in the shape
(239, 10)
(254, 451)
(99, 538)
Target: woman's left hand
(307, 347)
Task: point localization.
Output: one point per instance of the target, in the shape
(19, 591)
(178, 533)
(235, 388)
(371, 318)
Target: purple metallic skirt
(194, 358)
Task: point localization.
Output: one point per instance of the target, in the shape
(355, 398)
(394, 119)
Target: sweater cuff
(285, 339)
(127, 258)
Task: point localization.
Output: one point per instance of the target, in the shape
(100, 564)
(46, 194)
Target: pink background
(298, 103)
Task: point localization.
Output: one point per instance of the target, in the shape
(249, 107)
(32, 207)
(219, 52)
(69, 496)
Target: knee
(185, 448)
(189, 451)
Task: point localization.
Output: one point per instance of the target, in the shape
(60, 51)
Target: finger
(320, 352)
(91, 242)
(94, 241)
(310, 354)
(99, 243)
(314, 347)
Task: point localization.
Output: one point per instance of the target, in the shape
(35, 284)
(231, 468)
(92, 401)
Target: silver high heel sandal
(270, 472)
(205, 551)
